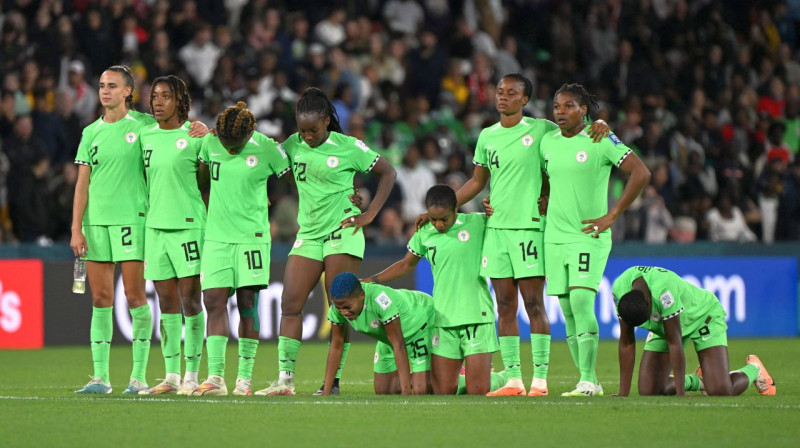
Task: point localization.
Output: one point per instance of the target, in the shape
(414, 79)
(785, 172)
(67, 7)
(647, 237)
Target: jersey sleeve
(415, 245)
(335, 317)
(387, 308)
(280, 163)
(202, 151)
(82, 157)
(480, 152)
(364, 158)
(614, 150)
(665, 290)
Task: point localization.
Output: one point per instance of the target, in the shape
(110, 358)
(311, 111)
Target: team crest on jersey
(581, 156)
(251, 161)
(362, 145)
(666, 299)
(463, 236)
(377, 357)
(181, 143)
(435, 340)
(527, 140)
(655, 317)
(484, 261)
(333, 161)
(130, 137)
(375, 323)
(297, 243)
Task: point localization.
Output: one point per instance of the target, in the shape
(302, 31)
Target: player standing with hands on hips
(577, 238)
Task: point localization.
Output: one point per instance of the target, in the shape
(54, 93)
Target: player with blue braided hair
(401, 321)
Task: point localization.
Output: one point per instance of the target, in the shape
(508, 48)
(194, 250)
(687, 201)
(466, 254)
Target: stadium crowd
(707, 92)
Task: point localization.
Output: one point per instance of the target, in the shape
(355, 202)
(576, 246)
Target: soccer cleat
(165, 387)
(95, 386)
(507, 391)
(187, 387)
(536, 392)
(764, 382)
(699, 373)
(243, 387)
(134, 387)
(584, 389)
(278, 387)
(213, 385)
(334, 390)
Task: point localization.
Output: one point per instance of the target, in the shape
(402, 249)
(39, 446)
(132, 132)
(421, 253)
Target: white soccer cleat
(278, 387)
(95, 386)
(165, 387)
(243, 387)
(214, 385)
(584, 389)
(135, 387)
(187, 387)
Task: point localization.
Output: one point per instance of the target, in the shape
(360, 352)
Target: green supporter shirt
(170, 162)
(116, 184)
(579, 170)
(237, 205)
(671, 296)
(324, 178)
(460, 295)
(383, 305)
(513, 159)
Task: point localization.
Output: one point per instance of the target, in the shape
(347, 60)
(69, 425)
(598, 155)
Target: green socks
(216, 345)
(247, 357)
(586, 329)
(142, 330)
(509, 350)
(193, 345)
(691, 383)
(344, 358)
(569, 322)
(287, 354)
(751, 371)
(498, 381)
(100, 337)
(171, 341)
(540, 349)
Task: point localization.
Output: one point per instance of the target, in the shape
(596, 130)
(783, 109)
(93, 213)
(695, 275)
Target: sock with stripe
(247, 357)
(100, 337)
(216, 346)
(171, 341)
(587, 331)
(193, 345)
(142, 331)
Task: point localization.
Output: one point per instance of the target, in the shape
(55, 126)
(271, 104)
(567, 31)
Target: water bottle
(79, 277)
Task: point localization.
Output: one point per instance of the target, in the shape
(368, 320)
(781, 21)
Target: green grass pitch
(39, 409)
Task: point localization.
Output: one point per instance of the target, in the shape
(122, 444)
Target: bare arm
(544, 196)
(394, 331)
(677, 359)
(639, 177)
(627, 357)
(387, 177)
(203, 177)
(480, 176)
(334, 357)
(398, 269)
(79, 202)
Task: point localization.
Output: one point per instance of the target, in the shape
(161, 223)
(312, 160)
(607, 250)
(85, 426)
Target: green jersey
(382, 305)
(579, 170)
(513, 159)
(116, 184)
(237, 205)
(324, 177)
(460, 294)
(170, 162)
(671, 296)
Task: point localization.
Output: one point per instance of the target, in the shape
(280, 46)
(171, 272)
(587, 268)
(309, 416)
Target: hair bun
(241, 105)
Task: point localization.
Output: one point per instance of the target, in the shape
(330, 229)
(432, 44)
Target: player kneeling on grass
(676, 311)
(401, 321)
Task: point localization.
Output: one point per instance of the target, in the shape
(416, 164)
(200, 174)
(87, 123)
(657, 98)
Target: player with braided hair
(577, 238)
(330, 239)
(237, 239)
(174, 231)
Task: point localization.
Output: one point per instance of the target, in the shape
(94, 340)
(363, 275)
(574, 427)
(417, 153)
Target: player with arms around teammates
(676, 311)
(174, 231)
(108, 217)
(324, 162)
(401, 321)
(464, 329)
(512, 256)
(577, 238)
(236, 251)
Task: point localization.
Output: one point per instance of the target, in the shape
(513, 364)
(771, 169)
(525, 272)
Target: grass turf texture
(38, 407)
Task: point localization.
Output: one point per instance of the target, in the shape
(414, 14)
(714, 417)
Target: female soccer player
(237, 239)
(577, 237)
(324, 162)
(509, 152)
(464, 325)
(675, 312)
(174, 231)
(401, 321)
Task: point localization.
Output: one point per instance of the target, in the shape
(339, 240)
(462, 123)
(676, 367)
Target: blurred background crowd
(707, 92)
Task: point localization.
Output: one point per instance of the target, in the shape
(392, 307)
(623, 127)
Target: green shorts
(714, 333)
(340, 241)
(517, 253)
(228, 265)
(172, 253)
(464, 340)
(419, 353)
(115, 243)
(574, 264)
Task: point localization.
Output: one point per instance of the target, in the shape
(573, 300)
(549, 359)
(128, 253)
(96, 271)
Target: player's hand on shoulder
(599, 130)
(421, 220)
(198, 129)
(487, 206)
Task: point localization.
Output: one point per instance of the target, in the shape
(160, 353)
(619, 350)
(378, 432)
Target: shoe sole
(538, 393)
(770, 389)
(507, 392)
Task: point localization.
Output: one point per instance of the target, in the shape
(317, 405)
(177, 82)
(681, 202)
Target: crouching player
(676, 311)
(401, 321)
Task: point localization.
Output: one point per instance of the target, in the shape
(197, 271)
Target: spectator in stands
(200, 56)
(414, 179)
(726, 223)
(28, 196)
(84, 96)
